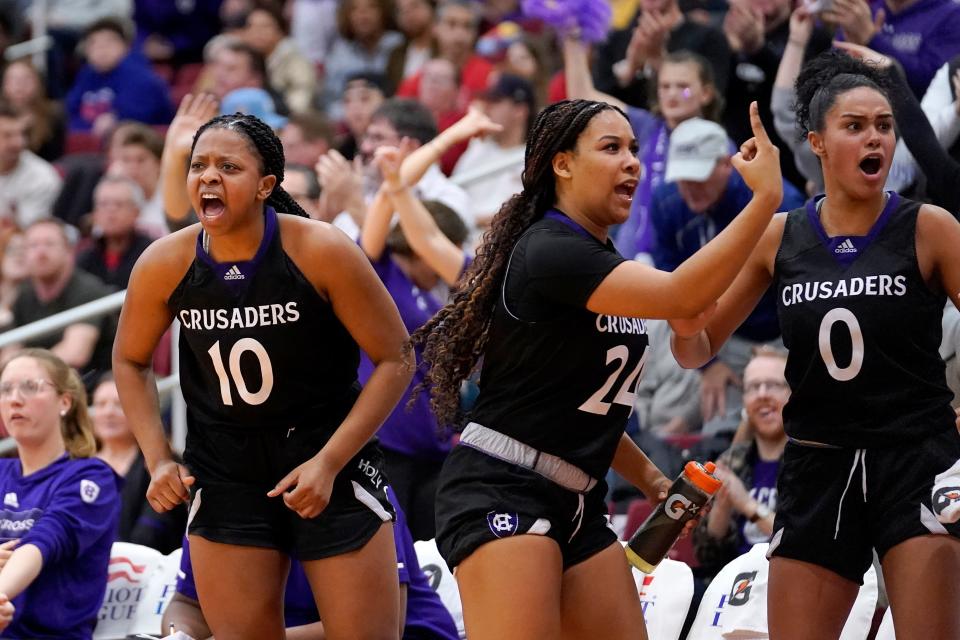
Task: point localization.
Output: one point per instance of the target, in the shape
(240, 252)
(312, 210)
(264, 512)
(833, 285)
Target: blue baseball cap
(254, 102)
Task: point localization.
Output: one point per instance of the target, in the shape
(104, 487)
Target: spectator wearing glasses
(743, 509)
(60, 506)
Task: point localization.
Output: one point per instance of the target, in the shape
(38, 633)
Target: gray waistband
(511, 450)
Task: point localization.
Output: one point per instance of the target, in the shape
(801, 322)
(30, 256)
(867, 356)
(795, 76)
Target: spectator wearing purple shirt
(175, 32)
(425, 617)
(60, 505)
(920, 34)
(413, 444)
(115, 84)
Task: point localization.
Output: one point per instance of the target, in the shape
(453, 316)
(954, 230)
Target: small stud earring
(63, 414)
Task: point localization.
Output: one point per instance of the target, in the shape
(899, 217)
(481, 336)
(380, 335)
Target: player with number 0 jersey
(861, 277)
(555, 312)
(273, 309)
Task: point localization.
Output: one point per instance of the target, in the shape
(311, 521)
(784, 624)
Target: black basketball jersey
(863, 332)
(259, 347)
(556, 376)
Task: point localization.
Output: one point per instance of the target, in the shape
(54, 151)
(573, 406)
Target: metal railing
(170, 385)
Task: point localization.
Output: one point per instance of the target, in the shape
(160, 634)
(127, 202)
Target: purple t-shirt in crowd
(69, 510)
(426, 617)
(411, 432)
(764, 491)
(635, 236)
(922, 38)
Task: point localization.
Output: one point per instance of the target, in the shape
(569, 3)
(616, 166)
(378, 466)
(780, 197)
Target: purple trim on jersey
(237, 274)
(846, 249)
(426, 617)
(560, 216)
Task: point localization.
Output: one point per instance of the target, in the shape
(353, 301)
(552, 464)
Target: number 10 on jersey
(266, 371)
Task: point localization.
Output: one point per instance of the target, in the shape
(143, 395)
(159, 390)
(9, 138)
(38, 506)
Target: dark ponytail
(455, 338)
(268, 147)
(824, 78)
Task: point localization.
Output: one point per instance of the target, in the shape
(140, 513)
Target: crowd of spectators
(95, 133)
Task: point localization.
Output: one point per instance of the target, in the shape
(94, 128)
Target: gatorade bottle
(686, 496)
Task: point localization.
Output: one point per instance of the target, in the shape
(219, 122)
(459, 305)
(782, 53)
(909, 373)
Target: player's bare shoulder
(320, 250)
(163, 264)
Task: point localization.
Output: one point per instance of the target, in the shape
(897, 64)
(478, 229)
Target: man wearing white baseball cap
(701, 196)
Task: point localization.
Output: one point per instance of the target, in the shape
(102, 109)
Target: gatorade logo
(944, 497)
(740, 591)
(677, 505)
(433, 574)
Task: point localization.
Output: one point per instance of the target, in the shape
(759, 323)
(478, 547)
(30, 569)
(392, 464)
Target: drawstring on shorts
(859, 457)
(578, 516)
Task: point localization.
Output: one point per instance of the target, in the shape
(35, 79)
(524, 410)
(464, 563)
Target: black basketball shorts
(835, 505)
(481, 499)
(235, 470)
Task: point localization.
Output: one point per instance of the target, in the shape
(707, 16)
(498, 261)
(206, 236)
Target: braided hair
(824, 78)
(455, 338)
(268, 149)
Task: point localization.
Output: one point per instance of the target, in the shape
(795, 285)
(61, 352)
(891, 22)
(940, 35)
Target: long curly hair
(824, 78)
(266, 145)
(456, 337)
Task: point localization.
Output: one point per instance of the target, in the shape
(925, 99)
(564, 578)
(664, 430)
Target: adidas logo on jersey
(846, 247)
(234, 274)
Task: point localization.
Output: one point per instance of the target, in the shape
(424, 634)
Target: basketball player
(272, 309)
(861, 277)
(554, 311)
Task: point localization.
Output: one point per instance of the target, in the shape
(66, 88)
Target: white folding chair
(861, 614)
(885, 632)
(160, 589)
(665, 596)
(131, 566)
(735, 603)
(441, 580)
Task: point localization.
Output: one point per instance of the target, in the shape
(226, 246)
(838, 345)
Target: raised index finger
(757, 125)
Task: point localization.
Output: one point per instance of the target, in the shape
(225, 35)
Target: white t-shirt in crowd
(432, 186)
(28, 192)
(489, 192)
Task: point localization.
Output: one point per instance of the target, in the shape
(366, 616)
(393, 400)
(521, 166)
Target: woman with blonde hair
(60, 504)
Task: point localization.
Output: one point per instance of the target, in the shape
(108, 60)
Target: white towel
(946, 495)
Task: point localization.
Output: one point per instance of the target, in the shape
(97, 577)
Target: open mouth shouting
(871, 164)
(211, 205)
(626, 189)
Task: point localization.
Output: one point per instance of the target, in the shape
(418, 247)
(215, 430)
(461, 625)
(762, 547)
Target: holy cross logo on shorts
(503, 524)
